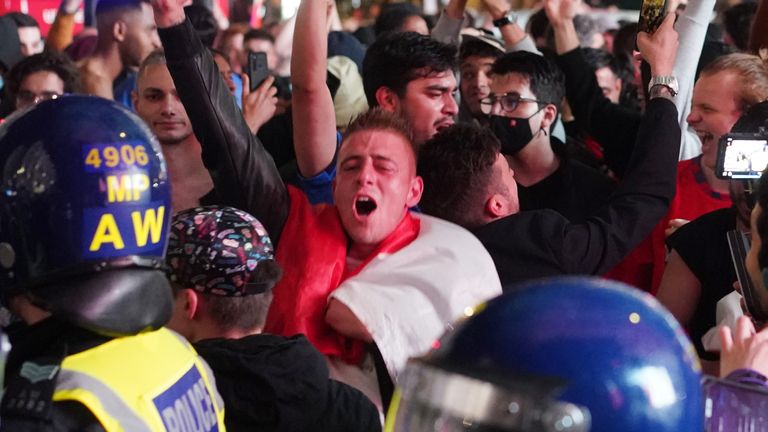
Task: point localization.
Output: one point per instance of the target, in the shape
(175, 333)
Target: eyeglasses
(508, 101)
(26, 98)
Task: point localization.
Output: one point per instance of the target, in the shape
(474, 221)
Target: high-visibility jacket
(152, 381)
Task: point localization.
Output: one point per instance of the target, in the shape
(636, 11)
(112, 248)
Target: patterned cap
(217, 250)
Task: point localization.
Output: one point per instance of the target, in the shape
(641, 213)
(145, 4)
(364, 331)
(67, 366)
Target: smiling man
(157, 103)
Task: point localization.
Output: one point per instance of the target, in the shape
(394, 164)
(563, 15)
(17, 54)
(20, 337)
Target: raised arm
(60, 33)
(243, 173)
(691, 25)
(758, 39)
(314, 121)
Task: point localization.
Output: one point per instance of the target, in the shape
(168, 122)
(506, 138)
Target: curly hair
(49, 61)
(396, 59)
(457, 168)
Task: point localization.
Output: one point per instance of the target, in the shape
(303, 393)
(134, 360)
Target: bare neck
(717, 185)
(106, 59)
(535, 162)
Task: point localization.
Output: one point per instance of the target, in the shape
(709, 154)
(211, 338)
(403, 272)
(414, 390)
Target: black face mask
(513, 138)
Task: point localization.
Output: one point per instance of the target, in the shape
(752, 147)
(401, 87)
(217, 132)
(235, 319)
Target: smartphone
(730, 406)
(258, 70)
(651, 15)
(739, 244)
(742, 156)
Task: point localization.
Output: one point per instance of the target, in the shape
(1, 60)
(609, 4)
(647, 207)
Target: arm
(692, 27)
(514, 36)
(448, 26)
(243, 173)
(613, 126)
(314, 120)
(758, 39)
(343, 320)
(680, 289)
(60, 33)
(743, 349)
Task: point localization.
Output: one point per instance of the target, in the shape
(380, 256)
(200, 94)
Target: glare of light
(656, 384)
(122, 134)
(468, 311)
(634, 317)
(288, 8)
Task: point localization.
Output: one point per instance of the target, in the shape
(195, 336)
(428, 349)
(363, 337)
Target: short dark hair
(378, 119)
(22, 19)
(538, 23)
(738, 22)
(109, 11)
(258, 34)
(457, 168)
(598, 59)
(393, 16)
(55, 62)
(472, 46)
(545, 79)
(243, 312)
(396, 59)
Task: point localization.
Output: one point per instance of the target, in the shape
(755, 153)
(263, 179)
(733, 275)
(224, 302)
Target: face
(158, 104)
(375, 185)
(140, 37)
(225, 70)
(232, 46)
(37, 87)
(517, 83)
(261, 45)
(415, 24)
(30, 41)
(475, 82)
(609, 83)
(714, 111)
(753, 268)
(429, 104)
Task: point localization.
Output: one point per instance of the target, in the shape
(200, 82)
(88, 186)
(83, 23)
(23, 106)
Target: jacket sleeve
(243, 173)
(636, 206)
(613, 126)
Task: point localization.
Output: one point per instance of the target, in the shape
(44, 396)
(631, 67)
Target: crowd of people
(412, 223)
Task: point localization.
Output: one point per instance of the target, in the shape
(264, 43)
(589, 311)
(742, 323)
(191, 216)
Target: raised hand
(660, 48)
(168, 12)
(744, 348)
(561, 11)
(260, 105)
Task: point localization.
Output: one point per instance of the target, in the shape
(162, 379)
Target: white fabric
(727, 312)
(408, 299)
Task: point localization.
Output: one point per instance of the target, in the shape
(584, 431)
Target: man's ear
(617, 84)
(119, 29)
(190, 303)
(387, 99)
(550, 115)
(496, 206)
(414, 193)
(134, 99)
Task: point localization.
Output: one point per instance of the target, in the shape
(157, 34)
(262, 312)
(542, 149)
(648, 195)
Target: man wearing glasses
(524, 103)
(41, 77)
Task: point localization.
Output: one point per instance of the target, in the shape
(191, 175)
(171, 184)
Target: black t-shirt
(574, 190)
(703, 246)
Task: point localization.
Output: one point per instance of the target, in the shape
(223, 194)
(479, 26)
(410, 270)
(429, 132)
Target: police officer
(84, 212)
(564, 354)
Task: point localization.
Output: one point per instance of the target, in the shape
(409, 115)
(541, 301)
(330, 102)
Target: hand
(660, 48)
(744, 349)
(258, 106)
(69, 7)
(674, 224)
(168, 13)
(497, 8)
(561, 11)
(343, 320)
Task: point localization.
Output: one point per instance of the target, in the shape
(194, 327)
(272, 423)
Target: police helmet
(563, 354)
(84, 211)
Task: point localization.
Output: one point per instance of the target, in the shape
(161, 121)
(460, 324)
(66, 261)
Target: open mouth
(704, 136)
(364, 206)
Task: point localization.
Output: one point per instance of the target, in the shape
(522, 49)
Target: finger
(726, 339)
(246, 84)
(744, 330)
(266, 85)
(737, 287)
(669, 21)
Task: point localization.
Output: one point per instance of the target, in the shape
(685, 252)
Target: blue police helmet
(563, 354)
(84, 213)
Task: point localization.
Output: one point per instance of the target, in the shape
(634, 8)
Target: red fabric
(644, 266)
(313, 253)
(594, 147)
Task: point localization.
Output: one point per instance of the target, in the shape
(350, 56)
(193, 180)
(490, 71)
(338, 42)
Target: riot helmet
(84, 211)
(562, 354)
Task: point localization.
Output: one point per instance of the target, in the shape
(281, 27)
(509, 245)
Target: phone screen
(651, 15)
(258, 70)
(741, 157)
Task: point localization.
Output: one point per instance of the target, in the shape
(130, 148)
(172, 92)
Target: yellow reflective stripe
(111, 411)
(394, 404)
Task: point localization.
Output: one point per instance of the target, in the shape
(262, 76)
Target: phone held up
(742, 156)
(258, 70)
(651, 15)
